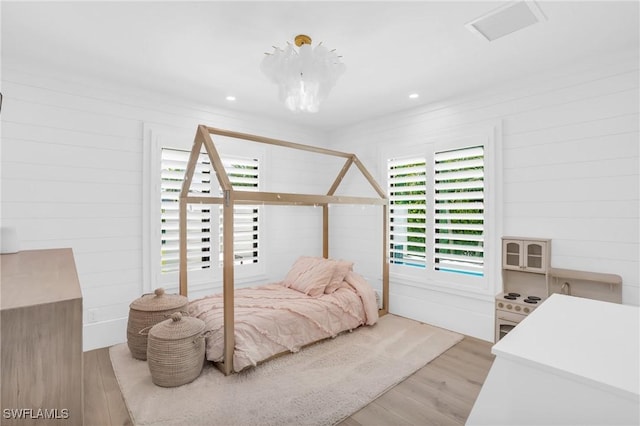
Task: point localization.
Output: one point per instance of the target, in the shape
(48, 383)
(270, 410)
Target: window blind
(459, 211)
(243, 175)
(199, 219)
(202, 234)
(407, 211)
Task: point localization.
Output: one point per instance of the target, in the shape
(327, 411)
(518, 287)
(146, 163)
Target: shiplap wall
(72, 176)
(570, 173)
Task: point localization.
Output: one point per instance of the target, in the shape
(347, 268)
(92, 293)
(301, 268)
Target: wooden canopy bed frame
(232, 196)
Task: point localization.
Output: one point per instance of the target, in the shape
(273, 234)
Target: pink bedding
(273, 318)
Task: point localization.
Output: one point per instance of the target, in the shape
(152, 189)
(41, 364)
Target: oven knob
(526, 310)
(500, 305)
(518, 308)
(509, 306)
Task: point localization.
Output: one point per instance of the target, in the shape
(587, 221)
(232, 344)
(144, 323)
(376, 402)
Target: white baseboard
(448, 316)
(103, 334)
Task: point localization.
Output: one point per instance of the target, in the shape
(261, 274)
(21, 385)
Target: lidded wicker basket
(148, 311)
(175, 350)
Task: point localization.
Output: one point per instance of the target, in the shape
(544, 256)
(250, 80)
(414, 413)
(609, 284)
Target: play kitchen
(528, 279)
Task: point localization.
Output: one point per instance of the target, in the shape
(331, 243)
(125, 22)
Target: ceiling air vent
(506, 20)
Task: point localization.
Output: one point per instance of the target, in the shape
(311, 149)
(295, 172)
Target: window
(204, 238)
(243, 174)
(199, 216)
(407, 211)
(437, 211)
(459, 210)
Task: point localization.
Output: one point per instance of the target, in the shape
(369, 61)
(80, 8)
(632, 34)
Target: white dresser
(573, 361)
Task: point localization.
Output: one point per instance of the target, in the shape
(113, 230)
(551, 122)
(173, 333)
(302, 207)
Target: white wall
(570, 173)
(72, 176)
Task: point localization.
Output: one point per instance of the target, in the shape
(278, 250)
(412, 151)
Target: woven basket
(146, 312)
(175, 350)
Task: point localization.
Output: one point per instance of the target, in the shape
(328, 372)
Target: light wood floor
(441, 393)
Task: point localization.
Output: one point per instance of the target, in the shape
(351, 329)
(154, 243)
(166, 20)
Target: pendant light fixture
(304, 76)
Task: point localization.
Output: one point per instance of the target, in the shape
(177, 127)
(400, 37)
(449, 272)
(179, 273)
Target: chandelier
(304, 76)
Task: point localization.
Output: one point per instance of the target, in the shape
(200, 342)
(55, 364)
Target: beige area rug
(320, 385)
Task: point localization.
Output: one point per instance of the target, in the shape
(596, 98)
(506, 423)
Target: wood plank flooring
(103, 403)
(441, 393)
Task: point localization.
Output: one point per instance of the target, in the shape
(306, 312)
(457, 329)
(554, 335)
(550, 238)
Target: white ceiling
(204, 51)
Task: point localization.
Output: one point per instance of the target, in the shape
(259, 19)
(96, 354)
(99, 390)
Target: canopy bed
(320, 268)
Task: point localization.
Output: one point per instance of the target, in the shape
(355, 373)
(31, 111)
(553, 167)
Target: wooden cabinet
(41, 325)
(525, 255)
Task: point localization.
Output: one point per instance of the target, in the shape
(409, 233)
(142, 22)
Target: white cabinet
(528, 280)
(525, 255)
(574, 361)
(525, 266)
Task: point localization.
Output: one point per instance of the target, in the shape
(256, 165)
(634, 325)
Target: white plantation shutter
(201, 233)
(459, 211)
(199, 219)
(407, 211)
(243, 174)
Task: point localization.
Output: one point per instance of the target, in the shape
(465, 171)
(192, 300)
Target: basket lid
(158, 301)
(177, 327)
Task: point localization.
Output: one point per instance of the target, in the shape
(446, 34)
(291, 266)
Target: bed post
(184, 194)
(228, 283)
(183, 246)
(385, 261)
(227, 243)
(325, 231)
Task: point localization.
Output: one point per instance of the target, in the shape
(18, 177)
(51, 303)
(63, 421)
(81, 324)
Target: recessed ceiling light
(231, 98)
(414, 96)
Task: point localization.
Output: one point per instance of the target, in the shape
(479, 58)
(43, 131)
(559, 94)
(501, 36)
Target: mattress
(274, 318)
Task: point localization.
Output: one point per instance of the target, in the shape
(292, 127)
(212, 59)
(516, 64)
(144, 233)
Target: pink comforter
(272, 319)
